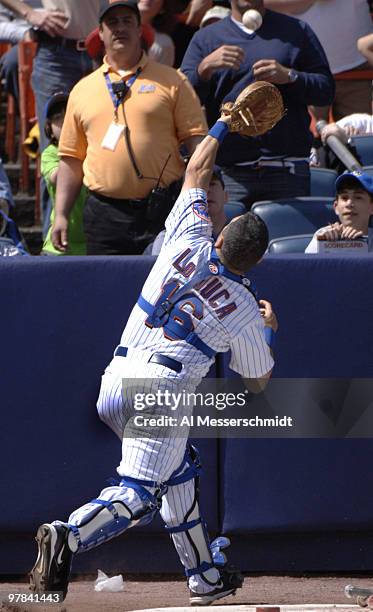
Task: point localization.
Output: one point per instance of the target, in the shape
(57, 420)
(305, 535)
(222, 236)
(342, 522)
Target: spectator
(358, 124)
(213, 15)
(55, 114)
(6, 198)
(13, 31)
(61, 59)
(354, 21)
(191, 12)
(160, 15)
(352, 125)
(365, 46)
(183, 31)
(225, 57)
(125, 144)
(353, 206)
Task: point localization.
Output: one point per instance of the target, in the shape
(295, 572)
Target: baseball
(252, 19)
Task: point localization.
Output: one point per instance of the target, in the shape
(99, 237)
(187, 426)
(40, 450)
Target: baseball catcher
(195, 303)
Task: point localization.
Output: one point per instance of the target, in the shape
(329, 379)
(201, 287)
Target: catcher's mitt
(256, 110)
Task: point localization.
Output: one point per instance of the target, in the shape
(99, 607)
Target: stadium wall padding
(289, 505)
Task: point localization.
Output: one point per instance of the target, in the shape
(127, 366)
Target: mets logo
(213, 268)
(146, 89)
(200, 209)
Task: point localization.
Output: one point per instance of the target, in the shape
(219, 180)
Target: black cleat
(51, 571)
(230, 580)
(363, 595)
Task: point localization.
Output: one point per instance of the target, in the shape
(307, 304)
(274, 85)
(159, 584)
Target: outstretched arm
(200, 167)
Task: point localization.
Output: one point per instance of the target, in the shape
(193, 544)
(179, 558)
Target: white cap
(216, 12)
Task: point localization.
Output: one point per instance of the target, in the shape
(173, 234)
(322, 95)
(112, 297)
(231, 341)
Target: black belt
(132, 204)
(59, 41)
(168, 362)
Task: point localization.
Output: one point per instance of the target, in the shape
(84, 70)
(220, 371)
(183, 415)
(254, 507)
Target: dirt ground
(160, 593)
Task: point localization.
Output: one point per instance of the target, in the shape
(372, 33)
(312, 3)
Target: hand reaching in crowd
(334, 130)
(270, 70)
(226, 56)
(51, 22)
(197, 9)
(336, 231)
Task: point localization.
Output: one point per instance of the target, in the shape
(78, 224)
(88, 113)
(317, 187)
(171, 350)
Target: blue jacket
(293, 44)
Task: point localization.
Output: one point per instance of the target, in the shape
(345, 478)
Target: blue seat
(323, 182)
(294, 216)
(368, 170)
(234, 209)
(289, 244)
(364, 148)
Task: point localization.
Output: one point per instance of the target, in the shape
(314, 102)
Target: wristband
(219, 131)
(270, 336)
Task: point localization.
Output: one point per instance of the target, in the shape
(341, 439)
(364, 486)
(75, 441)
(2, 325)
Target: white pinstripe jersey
(224, 313)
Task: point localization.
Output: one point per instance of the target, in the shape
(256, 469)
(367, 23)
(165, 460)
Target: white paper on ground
(109, 585)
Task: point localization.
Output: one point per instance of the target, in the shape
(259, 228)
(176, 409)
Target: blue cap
(56, 98)
(365, 181)
(131, 4)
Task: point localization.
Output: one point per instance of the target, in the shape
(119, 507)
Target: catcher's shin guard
(180, 511)
(118, 508)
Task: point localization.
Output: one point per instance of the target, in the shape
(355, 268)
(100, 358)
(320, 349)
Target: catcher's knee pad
(118, 508)
(180, 511)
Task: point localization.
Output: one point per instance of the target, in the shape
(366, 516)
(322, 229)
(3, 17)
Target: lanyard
(118, 99)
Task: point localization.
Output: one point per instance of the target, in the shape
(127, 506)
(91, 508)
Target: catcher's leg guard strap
(116, 509)
(180, 511)
(189, 469)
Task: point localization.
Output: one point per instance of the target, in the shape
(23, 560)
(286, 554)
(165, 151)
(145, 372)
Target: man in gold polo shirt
(122, 132)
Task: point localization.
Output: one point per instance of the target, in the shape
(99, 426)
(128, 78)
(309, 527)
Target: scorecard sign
(351, 247)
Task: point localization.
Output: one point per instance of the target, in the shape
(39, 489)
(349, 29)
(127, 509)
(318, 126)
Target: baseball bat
(351, 591)
(339, 148)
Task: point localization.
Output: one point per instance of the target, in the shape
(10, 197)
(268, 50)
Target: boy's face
(354, 207)
(216, 194)
(56, 124)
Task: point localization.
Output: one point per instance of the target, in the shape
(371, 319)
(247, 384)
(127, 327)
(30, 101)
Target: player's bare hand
(349, 233)
(59, 233)
(270, 319)
(333, 232)
(271, 71)
(227, 56)
(226, 118)
(51, 22)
